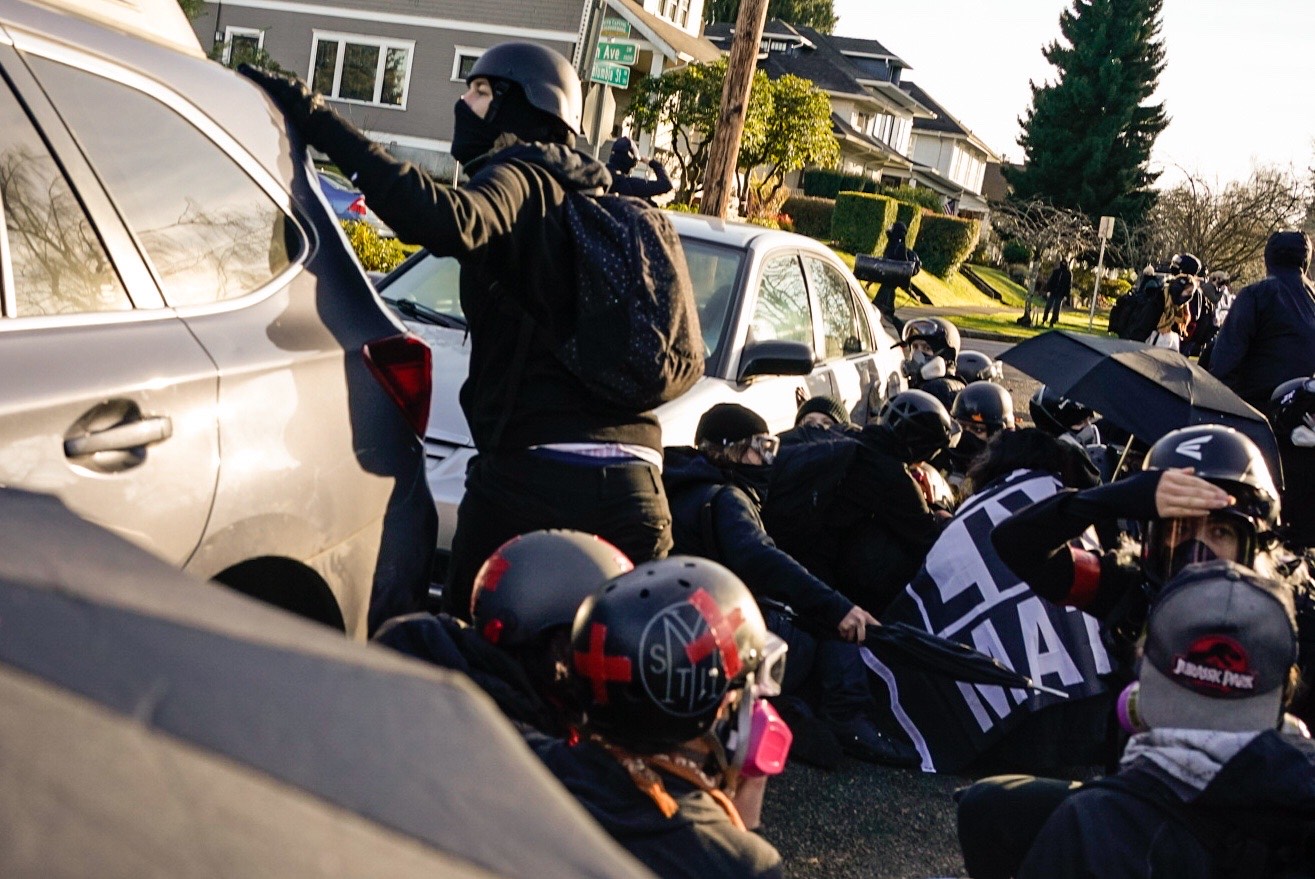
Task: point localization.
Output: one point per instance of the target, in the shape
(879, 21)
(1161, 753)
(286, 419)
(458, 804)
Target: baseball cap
(1219, 645)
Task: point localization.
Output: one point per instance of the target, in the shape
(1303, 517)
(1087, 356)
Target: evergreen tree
(820, 15)
(1088, 137)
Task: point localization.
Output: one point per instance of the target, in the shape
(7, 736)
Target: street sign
(617, 53)
(1106, 227)
(615, 75)
(615, 26)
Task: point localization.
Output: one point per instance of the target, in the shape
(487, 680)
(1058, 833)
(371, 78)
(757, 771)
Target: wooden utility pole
(725, 148)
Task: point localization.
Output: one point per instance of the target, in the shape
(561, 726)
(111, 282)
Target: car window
(434, 282)
(842, 325)
(59, 266)
(208, 230)
(712, 270)
(782, 308)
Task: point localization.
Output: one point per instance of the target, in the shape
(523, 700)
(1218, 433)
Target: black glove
(296, 99)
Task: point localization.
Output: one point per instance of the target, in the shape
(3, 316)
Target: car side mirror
(775, 357)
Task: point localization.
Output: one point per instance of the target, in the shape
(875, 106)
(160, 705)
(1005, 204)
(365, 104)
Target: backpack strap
(708, 524)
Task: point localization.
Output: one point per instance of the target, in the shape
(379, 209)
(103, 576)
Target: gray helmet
(547, 78)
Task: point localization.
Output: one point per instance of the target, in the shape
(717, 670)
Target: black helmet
(939, 333)
(535, 582)
(1292, 405)
(985, 403)
(548, 80)
(1054, 414)
(974, 366)
(1228, 459)
(655, 651)
(920, 423)
(1185, 264)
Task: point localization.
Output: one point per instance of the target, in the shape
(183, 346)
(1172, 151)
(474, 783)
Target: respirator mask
(756, 740)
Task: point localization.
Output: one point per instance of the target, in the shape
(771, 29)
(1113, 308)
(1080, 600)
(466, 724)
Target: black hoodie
(506, 227)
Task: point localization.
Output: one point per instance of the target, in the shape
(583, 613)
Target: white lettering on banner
(987, 640)
(1098, 654)
(1045, 649)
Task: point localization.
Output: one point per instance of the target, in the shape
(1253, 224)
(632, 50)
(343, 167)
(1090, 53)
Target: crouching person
(716, 492)
(668, 662)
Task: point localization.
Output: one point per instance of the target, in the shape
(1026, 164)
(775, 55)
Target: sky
(1235, 85)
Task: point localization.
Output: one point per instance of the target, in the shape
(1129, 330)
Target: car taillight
(357, 207)
(402, 365)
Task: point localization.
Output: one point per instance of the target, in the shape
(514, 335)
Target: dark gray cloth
(1268, 338)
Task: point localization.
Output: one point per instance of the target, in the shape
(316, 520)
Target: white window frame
(460, 53)
(232, 31)
(383, 43)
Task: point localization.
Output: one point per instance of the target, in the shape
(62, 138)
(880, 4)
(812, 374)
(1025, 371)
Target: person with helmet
(1204, 493)
(1292, 415)
(717, 491)
(931, 349)
(982, 410)
(1064, 419)
(671, 663)
(974, 366)
(1270, 332)
(551, 452)
(622, 161)
(517, 646)
(895, 249)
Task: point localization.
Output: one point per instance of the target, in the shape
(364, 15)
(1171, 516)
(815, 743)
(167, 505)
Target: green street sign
(617, 53)
(615, 75)
(615, 26)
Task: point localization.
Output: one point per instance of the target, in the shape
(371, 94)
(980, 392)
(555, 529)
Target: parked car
(756, 289)
(196, 360)
(348, 202)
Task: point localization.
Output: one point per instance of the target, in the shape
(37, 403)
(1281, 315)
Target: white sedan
(755, 289)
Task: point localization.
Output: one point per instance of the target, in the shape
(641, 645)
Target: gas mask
(923, 367)
(1303, 437)
(1173, 544)
(756, 740)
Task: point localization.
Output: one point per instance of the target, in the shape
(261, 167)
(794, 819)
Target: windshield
(434, 283)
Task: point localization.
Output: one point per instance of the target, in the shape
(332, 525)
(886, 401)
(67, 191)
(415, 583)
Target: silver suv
(196, 360)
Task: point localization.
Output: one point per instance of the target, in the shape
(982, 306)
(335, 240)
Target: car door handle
(120, 437)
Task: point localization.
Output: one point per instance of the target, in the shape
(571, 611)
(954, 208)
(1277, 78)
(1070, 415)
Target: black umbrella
(154, 725)
(1143, 390)
(900, 643)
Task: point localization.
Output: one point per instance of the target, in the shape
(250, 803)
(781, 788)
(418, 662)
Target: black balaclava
(623, 157)
(510, 112)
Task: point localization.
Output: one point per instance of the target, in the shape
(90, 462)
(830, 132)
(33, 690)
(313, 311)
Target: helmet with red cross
(656, 651)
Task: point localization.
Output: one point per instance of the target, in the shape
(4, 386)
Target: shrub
(918, 195)
(828, 183)
(1110, 288)
(375, 253)
(1015, 251)
(860, 221)
(945, 242)
(680, 207)
(812, 216)
(911, 216)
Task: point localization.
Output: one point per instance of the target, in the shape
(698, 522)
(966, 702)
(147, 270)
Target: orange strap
(641, 769)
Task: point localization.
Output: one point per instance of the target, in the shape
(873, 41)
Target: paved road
(861, 820)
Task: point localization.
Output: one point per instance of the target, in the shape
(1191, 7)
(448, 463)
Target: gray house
(396, 67)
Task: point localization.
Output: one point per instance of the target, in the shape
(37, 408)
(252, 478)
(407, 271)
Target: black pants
(827, 673)
(511, 493)
(885, 303)
(1054, 303)
(1000, 817)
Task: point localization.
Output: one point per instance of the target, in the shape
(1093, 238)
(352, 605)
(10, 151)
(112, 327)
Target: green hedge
(375, 253)
(1015, 251)
(918, 195)
(827, 183)
(811, 216)
(860, 221)
(945, 242)
(911, 216)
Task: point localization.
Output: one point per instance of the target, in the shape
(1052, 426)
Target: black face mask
(1189, 552)
(472, 136)
(970, 445)
(753, 478)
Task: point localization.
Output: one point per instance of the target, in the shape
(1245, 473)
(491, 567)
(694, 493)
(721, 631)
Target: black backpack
(1120, 312)
(635, 342)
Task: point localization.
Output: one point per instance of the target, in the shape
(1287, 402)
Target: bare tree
(1051, 233)
(1226, 226)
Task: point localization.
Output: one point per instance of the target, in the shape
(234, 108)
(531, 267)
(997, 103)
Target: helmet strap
(643, 772)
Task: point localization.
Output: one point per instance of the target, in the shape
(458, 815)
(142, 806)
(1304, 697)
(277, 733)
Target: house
(949, 157)
(395, 68)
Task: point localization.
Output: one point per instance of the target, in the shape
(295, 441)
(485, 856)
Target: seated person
(668, 661)
(931, 351)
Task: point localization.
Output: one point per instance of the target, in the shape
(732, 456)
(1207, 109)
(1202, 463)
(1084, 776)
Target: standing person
(1218, 784)
(1059, 286)
(623, 160)
(1270, 332)
(1292, 415)
(895, 249)
(552, 452)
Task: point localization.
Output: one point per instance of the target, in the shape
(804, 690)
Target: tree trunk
(725, 148)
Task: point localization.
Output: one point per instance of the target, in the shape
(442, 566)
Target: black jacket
(624, 184)
(1268, 338)
(506, 228)
(1264, 795)
(742, 544)
(698, 841)
(1060, 282)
